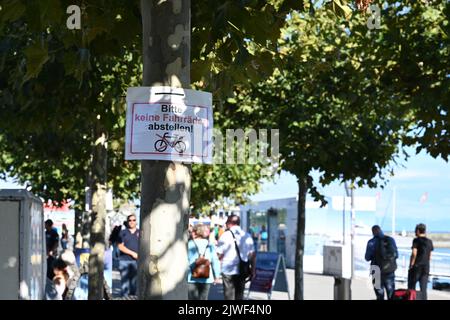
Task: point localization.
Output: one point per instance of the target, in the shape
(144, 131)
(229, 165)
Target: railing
(313, 260)
(439, 264)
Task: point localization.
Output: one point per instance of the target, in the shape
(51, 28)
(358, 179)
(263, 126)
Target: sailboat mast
(393, 211)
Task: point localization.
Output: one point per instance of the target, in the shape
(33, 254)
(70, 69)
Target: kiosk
(22, 246)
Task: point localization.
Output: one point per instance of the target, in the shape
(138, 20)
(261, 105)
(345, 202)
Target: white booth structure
(327, 229)
(287, 204)
(337, 261)
(22, 246)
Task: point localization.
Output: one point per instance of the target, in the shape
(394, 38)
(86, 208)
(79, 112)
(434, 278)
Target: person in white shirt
(233, 282)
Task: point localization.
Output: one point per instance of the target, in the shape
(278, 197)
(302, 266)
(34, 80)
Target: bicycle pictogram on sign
(174, 142)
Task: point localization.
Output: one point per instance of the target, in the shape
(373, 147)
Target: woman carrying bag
(204, 264)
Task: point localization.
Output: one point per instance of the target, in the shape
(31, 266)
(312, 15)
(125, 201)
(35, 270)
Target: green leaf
(92, 33)
(340, 8)
(12, 10)
(70, 62)
(51, 11)
(37, 56)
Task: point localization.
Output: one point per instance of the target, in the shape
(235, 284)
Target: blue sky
(421, 174)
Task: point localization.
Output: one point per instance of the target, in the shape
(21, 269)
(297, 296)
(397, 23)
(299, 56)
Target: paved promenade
(317, 287)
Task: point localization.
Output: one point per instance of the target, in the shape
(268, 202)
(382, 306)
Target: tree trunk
(78, 229)
(86, 217)
(83, 217)
(300, 244)
(165, 190)
(97, 239)
(82, 229)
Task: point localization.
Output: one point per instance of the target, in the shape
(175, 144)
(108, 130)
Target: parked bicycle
(174, 141)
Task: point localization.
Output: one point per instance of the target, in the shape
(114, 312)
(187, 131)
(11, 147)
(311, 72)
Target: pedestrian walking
(263, 237)
(68, 282)
(71, 282)
(382, 252)
(235, 245)
(419, 266)
(108, 263)
(281, 240)
(51, 244)
(129, 248)
(64, 237)
(202, 251)
(114, 242)
(254, 231)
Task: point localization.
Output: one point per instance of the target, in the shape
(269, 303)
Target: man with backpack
(235, 250)
(382, 252)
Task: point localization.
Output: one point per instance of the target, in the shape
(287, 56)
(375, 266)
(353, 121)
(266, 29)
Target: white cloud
(413, 174)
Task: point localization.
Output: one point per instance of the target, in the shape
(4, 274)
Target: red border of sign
(166, 153)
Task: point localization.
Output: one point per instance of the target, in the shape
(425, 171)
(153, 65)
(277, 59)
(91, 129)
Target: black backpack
(385, 255)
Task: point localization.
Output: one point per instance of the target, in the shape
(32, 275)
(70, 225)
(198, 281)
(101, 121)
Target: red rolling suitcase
(404, 294)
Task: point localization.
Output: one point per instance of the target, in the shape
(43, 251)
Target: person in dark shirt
(51, 238)
(419, 266)
(51, 244)
(114, 242)
(129, 248)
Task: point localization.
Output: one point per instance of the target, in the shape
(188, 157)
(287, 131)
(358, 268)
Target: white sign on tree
(172, 124)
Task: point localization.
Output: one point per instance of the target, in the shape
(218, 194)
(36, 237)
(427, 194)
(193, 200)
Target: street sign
(165, 123)
(270, 274)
